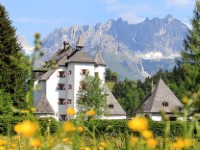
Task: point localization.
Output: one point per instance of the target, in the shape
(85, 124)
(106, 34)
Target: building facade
(160, 99)
(56, 88)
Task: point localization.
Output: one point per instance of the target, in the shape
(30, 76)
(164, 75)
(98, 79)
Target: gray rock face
(123, 46)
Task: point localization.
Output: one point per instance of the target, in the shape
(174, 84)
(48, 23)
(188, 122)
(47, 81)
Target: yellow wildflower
(101, 148)
(14, 145)
(182, 143)
(26, 128)
(187, 143)
(134, 140)
(91, 113)
(64, 140)
(70, 142)
(87, 148)
(71, 112)
(35, 143)
(2, 148)
(25, 111)
(68, 127)
(103, 144)
(152, 142)
(147, 134)
(2, 142)
(80, 129)
(33, 109)
(138, 124)
(185, 100)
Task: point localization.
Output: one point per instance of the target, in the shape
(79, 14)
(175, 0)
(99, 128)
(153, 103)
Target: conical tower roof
(99, 60)
(80, 42)
(162, 98)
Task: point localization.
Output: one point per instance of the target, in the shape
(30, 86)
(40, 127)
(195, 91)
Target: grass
(110, 84)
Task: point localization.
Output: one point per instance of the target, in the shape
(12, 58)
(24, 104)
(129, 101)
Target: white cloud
(128, 11)
(179, 2)
(156, 55)
(131, 17)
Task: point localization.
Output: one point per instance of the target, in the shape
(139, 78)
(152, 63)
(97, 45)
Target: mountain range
(134, 51)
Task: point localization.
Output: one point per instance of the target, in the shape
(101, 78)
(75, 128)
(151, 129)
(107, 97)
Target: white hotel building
(58, 87)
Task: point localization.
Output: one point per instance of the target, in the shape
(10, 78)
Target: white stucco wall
(52, 93)
(153, 116)
(156, 117)
(77, 78)
(113, 117)
(46, 116)
(101, 70)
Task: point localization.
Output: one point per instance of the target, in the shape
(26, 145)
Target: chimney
(66, 45)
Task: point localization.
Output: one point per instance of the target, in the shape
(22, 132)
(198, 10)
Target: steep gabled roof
(111, 100)
(99, 60)
(46, 75)
(64, 56)
(43, 106)
(156, 101)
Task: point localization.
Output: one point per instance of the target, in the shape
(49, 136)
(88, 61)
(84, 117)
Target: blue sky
(30, 16)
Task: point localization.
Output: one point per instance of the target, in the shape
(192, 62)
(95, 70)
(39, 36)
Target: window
(165, 104)
(96, 74)
(69, 101)
(61, 86)
(61, 101)
(111, 106)
(69, 86)
(84, 71)
(69, 72)
(61, 74)
(62, 117)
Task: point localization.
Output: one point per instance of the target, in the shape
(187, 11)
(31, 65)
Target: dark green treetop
(13, 64)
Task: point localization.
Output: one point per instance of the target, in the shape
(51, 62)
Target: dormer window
(61, 86)
(165, 104)
(61, 74)
(111, 106)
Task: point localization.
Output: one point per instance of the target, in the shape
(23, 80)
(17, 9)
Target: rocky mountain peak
(124, 46)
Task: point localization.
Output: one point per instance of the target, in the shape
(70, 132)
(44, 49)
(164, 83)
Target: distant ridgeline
(134, 51)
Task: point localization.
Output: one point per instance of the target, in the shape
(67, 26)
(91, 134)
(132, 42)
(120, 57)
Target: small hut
(160, 99)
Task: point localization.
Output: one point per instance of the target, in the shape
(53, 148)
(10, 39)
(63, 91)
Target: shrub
(48, 122)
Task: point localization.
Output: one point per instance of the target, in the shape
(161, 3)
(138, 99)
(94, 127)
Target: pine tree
(13, 64)
(191, 54)
(192, 42)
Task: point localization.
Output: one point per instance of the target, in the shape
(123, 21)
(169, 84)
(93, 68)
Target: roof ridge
(155, 94)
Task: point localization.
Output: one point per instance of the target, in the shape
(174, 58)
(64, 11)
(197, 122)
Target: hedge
(116, 127)
(7, 124)
(103, 127)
